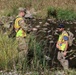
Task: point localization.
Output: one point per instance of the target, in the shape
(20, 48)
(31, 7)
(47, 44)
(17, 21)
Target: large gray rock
(28, 15)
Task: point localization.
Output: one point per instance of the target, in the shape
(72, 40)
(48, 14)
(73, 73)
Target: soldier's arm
(66, 42)
(58, 44)
(23, 25)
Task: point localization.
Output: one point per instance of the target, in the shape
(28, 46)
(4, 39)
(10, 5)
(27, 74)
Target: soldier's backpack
(71, 38)
(12, 30)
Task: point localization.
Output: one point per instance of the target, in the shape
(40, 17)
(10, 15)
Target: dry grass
(40, 5)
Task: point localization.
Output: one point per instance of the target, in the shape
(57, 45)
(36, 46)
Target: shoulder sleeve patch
(65, 38)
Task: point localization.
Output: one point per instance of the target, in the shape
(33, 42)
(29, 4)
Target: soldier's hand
(29, 30)
(65, 53)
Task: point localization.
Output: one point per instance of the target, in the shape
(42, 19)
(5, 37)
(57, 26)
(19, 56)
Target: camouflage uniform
(22, 45)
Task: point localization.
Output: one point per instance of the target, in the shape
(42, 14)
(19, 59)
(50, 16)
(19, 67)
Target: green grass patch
(37, 61)
(63, 14)
(8, 52)
(66, 14)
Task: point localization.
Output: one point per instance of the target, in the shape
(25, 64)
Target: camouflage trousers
(62, 59)
(23, 50)
(22, 45)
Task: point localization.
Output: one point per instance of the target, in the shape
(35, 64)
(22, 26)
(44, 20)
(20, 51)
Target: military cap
(61, 26)
(21, 9)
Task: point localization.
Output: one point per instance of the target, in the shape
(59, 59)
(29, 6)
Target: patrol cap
(61, 26)
(21, 9)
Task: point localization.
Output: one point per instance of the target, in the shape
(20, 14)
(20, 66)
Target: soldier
(62, 46)
(20, 29)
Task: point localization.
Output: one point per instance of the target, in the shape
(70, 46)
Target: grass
(63, 14)
(9, 54)
(66, 14)
(40, 6)
(8, 51)
(35, 61)
(35, 51)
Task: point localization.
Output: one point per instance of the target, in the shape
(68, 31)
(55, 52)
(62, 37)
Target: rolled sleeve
(23, 25)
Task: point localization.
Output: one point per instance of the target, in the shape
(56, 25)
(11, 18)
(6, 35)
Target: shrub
(35, 54)
(51, 11)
